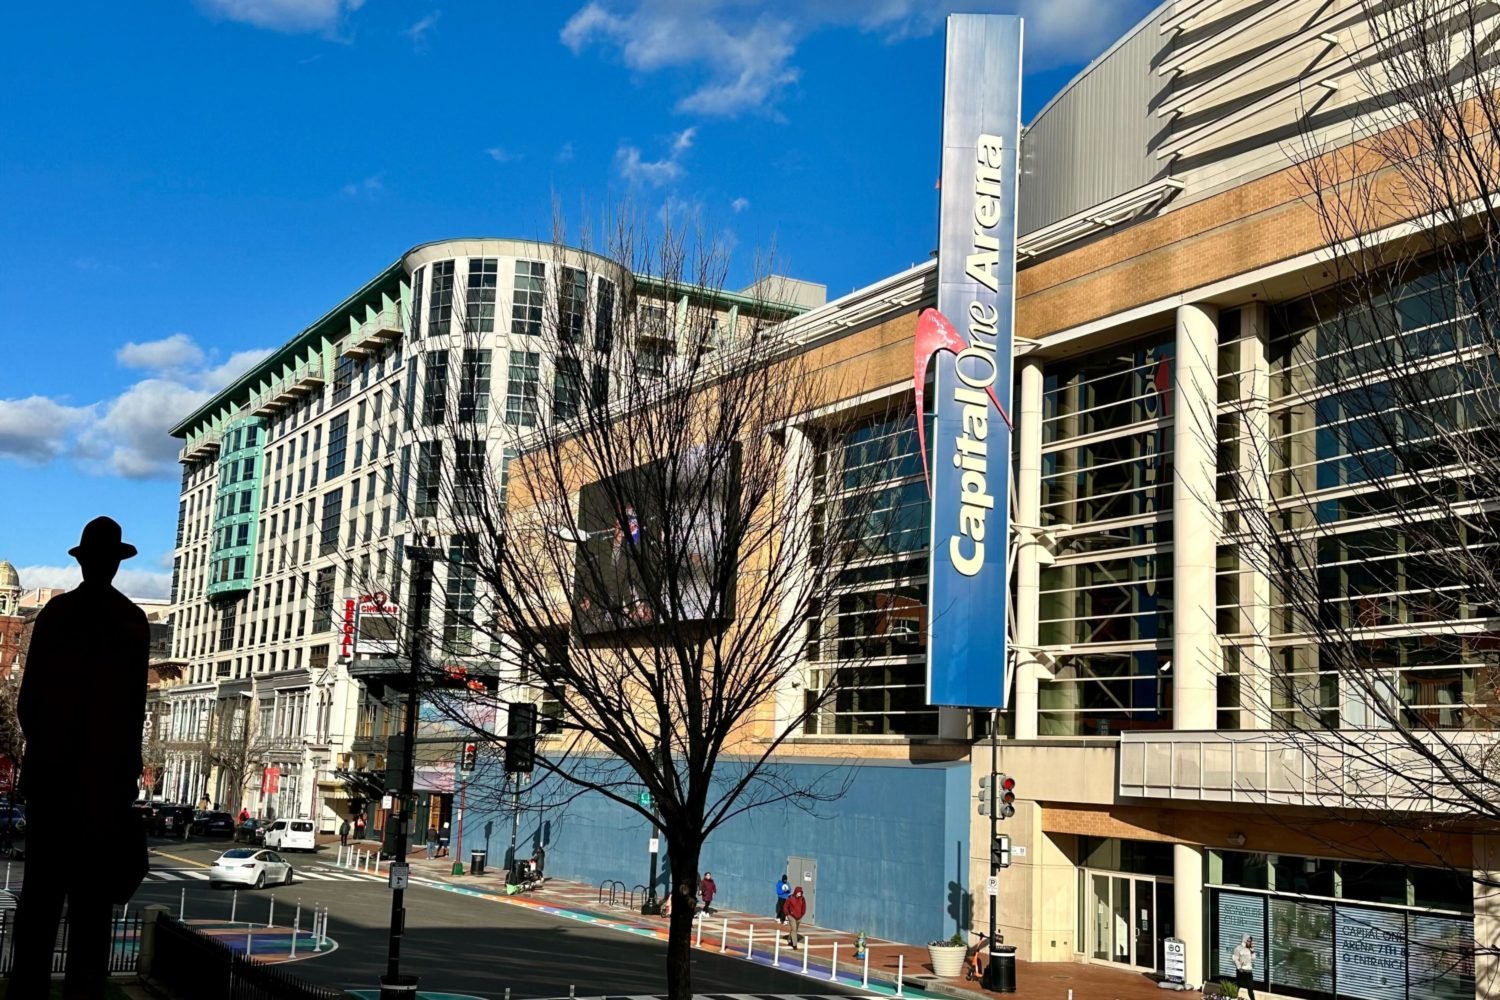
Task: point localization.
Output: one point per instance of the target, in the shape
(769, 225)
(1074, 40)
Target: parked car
(252, 831)
(173, 821)
(14, 818)
(291, 835)
(212, 824)
(250, 866)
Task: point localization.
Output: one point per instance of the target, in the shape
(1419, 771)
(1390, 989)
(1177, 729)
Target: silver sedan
(250, 866)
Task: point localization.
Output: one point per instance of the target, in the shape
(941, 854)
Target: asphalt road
(454, 942)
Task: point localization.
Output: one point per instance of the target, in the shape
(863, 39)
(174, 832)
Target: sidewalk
(736, 933)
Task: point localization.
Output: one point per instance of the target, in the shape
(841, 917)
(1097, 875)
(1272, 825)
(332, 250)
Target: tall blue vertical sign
(968, 337)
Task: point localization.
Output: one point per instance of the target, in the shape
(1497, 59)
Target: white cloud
(655, 172)
(565, 154)
(419, 31)
(370, 187)
(128, 435)
(739, 205)
(740, 53)
(291, 16)
(501, 155)
(37, 429)
(176, 351)
(131, 582)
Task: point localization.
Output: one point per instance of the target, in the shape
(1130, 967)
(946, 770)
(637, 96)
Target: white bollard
(317, 929)
(248, 941)
(750, 944)
(698, 941)
(234, 904)
(805, 942)
(7, 876)
(571, 994)
(900, 973)
(776, 952)
(271, 916)
(296, 927)
(864, 980)
(724, 935)
(833, 973)
(182, 906)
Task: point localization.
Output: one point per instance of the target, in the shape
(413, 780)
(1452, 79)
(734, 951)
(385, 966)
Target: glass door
(1131, 916)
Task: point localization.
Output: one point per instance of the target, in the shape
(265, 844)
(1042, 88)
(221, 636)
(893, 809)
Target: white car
(252, 866)
(291, 835)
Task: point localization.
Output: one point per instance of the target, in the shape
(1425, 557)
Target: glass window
(484, 275)
(343, 378)
(528, 297)
(429, 477)
(521, 388)
(474, 389)
(440, 300)
(338, 437)
(604, 317)
(416, 310)
(332, 507)
(572, 303)
(435, 390)
(567, 388)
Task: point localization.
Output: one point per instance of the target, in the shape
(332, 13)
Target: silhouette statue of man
(82, 705)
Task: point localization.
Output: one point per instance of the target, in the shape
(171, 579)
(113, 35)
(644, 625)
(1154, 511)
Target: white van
(291, 835)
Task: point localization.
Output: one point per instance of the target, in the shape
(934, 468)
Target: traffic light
(1000, 851)
(520, 737)
(986, 794)
(469, 759)
(1007, 805)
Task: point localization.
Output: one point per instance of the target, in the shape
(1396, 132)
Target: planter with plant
(948, 956)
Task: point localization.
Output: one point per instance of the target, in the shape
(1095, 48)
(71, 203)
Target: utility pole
(991, 969)
(394, 985)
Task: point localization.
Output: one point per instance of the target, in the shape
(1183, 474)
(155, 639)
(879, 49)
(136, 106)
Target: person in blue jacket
(783, 893)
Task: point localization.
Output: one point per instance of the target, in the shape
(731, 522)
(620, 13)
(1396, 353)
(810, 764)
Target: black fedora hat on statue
(101, 536)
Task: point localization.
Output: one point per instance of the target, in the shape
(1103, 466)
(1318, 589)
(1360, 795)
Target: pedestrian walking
(359, 826)
(443, 838)
(432, 842)
(244, 815)
(706, 891)
(540, 859)
(796, 909)
(1243, 958)
(87, 665)
(783, 893)
(344, 833)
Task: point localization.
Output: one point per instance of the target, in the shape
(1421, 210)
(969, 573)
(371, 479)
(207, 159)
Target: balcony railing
(1365, 769)
(374, 333)
(285, 391)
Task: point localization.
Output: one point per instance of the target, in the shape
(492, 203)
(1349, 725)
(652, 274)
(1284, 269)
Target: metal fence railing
(125, 948)
(190, 964)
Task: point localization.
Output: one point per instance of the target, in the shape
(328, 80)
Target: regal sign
(969, 339)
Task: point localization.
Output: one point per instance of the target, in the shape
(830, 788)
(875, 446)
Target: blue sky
(187, 184)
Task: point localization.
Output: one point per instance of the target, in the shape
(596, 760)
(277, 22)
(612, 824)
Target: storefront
(1326, 929)
(1125, 903)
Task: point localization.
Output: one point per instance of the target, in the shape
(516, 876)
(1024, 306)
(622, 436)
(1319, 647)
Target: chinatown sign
(969, 339)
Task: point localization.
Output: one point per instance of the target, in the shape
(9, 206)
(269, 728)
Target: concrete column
(1195, 653)
(1486, 916)
(1028, 513)
(1188, 905)
(1255, 490)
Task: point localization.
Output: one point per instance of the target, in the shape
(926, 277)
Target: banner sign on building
(969, 339)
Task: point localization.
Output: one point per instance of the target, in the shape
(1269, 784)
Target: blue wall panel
(891, 851)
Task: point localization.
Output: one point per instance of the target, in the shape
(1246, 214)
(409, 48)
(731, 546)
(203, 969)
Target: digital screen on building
(1371, 959)
(1239, 914)
(655, 540)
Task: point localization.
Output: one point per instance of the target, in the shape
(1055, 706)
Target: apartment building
(298, 483)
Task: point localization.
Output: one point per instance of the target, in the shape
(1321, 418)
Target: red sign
(7, 774)
(270, 780)
(378, 603)
(346, 637)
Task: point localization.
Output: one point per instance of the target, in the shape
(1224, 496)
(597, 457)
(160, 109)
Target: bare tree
(645, 534)
(1359, 473)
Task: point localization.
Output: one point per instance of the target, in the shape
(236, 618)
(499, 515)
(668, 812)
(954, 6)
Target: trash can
(1000, 974)
(476, 862)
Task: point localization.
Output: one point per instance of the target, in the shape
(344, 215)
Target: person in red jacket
(706, 891)
(796, 909)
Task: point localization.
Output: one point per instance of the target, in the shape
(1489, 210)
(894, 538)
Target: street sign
(644, 798)
(1019, 852)
(655, 845)
(400, 875)
(386, 801)
(992, 885)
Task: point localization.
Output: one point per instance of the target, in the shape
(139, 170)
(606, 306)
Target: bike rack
(632, 895)
(616, 891)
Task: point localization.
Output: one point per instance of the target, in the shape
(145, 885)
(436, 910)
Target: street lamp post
(395, 985)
